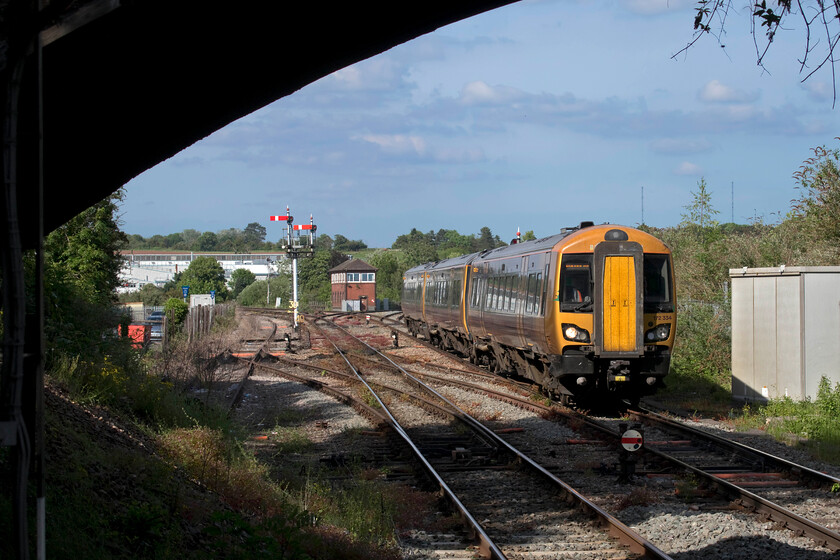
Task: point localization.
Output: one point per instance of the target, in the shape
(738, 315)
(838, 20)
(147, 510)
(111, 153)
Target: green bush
(177, 309)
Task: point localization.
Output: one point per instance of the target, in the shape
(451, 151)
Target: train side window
(475, 292)
(529, 294)
(512, 293)
(537, 292)
(456, 293)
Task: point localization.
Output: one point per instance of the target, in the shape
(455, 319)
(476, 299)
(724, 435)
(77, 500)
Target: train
(588, 314)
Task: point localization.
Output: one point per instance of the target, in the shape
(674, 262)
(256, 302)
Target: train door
(523, 325)
(619, 311)
(619, 319)
(465, 301)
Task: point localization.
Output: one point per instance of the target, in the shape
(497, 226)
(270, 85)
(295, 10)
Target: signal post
(300, 242)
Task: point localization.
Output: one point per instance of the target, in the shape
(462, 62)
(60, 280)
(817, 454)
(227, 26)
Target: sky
(535, 116)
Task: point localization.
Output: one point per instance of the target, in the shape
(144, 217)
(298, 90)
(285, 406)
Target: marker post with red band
(631, 441)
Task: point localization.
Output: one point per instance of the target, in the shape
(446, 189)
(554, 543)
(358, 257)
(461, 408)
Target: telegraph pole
(297, 246)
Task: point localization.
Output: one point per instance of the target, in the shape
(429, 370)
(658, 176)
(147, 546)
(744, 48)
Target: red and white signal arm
(278, 218)
(632, 440)
(302, 226)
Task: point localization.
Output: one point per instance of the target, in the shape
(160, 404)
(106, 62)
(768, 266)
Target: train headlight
(575, 333)
(658, 333)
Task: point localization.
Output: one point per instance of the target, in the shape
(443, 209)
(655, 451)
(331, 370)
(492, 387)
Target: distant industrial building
(159, 267)
(785, 331)
(353, 286)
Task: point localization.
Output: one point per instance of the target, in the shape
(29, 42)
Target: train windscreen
(576, 282)
(658, 289)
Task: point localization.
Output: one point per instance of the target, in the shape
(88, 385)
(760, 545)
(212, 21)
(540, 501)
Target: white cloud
(716, 92)
(396, 143)
(688, 168)
(479, 93)
(418, 148)
(819, 91)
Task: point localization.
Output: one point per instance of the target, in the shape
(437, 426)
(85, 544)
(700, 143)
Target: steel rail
(518, 401)
(251, 361)
(617, 528)
(769, 510)
(371, 413)
(487, 547)
(737, 447)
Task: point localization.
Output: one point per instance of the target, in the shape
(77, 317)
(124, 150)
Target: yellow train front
(588, 314)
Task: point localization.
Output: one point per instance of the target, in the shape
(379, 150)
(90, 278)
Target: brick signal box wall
(353, 285)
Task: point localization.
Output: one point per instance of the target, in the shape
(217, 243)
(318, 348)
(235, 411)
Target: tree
(313, 276)
(324, 241)
(818, 204)
(711, 19)
(207, 241)
(255, 294)
(391, 267)
(700, 211)
(417, 246)
(529, 235)
(240, 279)
(82, 262)
(341, 243)
(86, 251)
(254, 235)
(149, 294)
(203, 275)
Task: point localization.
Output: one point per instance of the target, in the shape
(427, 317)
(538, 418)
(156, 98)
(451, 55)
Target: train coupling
(618, 371)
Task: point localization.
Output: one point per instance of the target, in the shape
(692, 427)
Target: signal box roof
(353, 265)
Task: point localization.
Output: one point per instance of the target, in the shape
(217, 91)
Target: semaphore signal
(297, 246)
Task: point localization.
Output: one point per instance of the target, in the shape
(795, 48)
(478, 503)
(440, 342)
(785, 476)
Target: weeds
(815, 425)
(637, 497)
(290, 440)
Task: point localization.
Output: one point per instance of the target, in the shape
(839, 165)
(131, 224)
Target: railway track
(774, 488)
(513, 504)
(574, 454)
(792, 495)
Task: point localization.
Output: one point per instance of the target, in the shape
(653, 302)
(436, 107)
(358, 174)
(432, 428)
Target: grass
(812, 425)
(194, 489)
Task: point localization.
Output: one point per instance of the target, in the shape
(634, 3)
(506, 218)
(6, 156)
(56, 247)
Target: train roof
(522, 248)
(462, 260)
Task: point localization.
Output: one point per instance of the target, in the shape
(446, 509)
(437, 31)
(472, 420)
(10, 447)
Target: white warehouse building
(159, 267)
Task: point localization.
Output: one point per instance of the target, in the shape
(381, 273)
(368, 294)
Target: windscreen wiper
(587, 302)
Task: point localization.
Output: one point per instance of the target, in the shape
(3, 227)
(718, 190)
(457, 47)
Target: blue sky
(537, 116)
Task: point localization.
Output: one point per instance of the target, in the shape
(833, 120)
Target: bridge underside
(128, 84)
(117, 87)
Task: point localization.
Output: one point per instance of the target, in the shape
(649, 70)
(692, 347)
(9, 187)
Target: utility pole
(732, 199)
(643, 205)
(297, 246)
